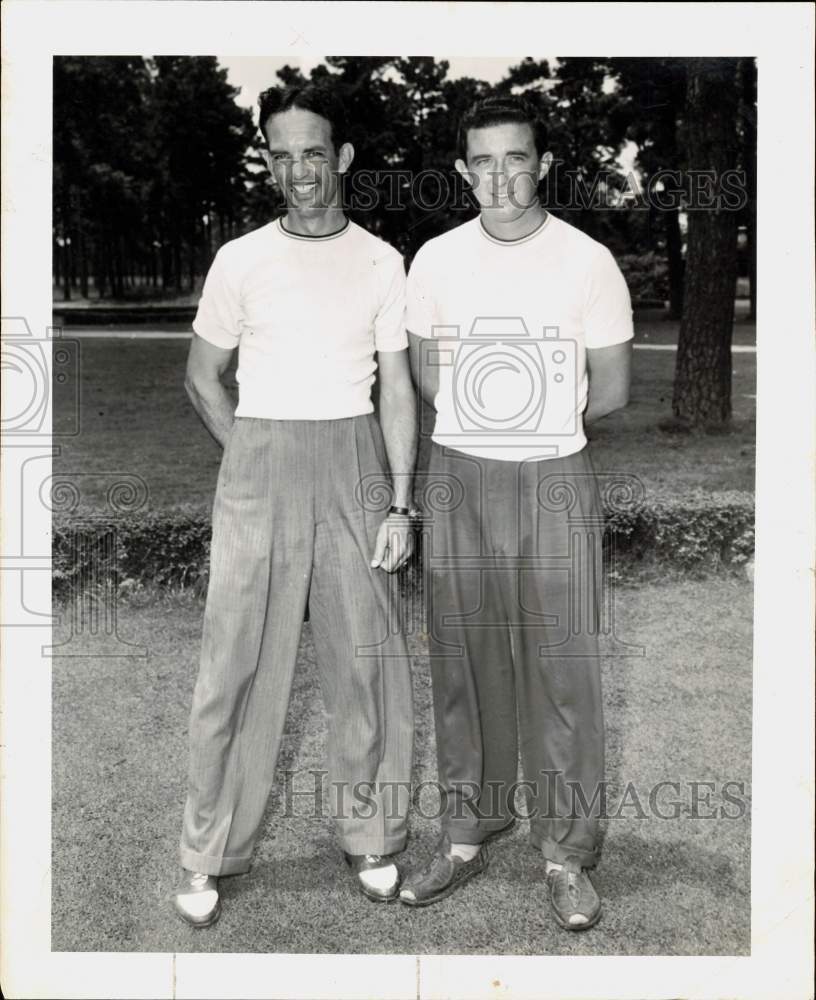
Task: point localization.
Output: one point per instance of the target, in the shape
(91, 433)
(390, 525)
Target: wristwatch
(410, 512)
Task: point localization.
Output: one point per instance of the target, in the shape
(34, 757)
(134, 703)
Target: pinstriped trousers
(288, 528)
(514, 577)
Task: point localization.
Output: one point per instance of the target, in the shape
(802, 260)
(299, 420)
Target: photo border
(781, 36)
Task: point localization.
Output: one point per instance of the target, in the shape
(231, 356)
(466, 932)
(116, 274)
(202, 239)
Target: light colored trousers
(289, 526)
(513, 568)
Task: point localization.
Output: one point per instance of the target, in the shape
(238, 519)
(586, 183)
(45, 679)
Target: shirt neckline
(311, 239)
(521, 239)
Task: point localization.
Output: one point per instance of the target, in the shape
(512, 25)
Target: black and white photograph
(406, 506)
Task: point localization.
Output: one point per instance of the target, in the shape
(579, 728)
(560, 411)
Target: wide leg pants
(289, 526)
(513, 557)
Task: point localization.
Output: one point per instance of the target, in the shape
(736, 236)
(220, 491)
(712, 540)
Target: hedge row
(690, 533)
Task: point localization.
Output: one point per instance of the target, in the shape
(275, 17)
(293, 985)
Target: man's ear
(344, 157)
(268, 161)
(462, 169)
(544, 165)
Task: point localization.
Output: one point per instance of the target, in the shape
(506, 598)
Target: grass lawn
(135, 418)
(676, 886)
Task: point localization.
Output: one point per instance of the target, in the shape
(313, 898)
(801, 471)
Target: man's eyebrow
(508, 152)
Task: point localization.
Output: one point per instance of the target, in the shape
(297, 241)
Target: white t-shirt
(307, 315)
(513, 320)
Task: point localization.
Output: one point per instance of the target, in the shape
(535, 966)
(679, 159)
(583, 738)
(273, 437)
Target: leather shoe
(197, 900)
(441, 876)
(382, 886)
(573, 895)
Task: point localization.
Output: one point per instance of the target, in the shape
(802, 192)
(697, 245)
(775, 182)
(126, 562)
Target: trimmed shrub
(166, 549)
(647, 275)
(694, 532)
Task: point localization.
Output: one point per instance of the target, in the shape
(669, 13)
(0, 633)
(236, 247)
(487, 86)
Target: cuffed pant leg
(259, 577)
(361, 652)
(474, 706)
(558, 677)
(471, 660)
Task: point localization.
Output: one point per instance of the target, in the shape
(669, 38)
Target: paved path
(161, 335)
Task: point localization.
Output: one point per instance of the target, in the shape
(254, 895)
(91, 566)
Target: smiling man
(314, 305)
(520, 328)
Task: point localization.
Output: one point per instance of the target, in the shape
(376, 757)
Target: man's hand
(394, 545)
(206, 363)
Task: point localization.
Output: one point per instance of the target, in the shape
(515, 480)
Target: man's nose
(301, 169)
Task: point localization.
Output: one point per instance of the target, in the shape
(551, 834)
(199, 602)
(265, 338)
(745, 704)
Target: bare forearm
(610, 375)
(398, 418)
(425, 373)
(213, 404)
(601, 405)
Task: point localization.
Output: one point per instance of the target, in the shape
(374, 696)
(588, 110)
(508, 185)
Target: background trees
(155, 166)
(149, 171)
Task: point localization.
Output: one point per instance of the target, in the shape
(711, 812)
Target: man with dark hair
(320, 100)
(520, 330)
(308, 300)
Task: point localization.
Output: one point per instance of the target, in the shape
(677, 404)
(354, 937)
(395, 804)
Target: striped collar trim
(311, 239)
(521, 239)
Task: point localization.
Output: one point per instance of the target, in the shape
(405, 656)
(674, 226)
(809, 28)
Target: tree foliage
(155, 165)
(149, 170)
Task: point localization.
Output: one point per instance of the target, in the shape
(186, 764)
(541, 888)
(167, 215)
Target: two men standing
(519, 327)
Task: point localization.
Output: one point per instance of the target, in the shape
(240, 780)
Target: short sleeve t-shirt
(512, 321)
(307, 315)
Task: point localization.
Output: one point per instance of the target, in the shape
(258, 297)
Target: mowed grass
(135, 418)
(678, 885)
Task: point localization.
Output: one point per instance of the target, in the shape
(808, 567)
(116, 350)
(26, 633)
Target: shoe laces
(198, 880)
(374, 859)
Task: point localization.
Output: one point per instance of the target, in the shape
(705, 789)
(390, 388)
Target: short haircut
(310, 97)
(502, 110)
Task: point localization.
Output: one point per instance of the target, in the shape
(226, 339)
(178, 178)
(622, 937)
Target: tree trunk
(192, 270)
(165, 263)
(702, 383)
(83, 265)
(674, 252)
(66, 272)
(752, 266)
(56, 263)
(749, 141)
(99, 264)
